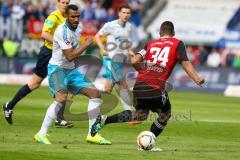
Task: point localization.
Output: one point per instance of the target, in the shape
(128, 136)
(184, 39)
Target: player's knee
(34, 85)
(165, 121)
(108, 86)
(95, 94)
(141, 115)
(61, 97)
(35, 82)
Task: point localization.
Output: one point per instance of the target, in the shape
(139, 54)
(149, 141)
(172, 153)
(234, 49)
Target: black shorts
(147, 98)
(43, 59)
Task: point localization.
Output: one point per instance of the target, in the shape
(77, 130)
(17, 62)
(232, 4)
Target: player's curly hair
(71, 7)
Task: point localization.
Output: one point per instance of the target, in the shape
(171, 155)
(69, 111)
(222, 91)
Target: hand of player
(131, 53)
(200, 81)
(89, 40)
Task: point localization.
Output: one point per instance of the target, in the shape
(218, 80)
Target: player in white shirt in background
(119, 33)
(64, 77)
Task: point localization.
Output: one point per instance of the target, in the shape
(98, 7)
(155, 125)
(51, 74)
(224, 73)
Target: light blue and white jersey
(64, 38)
(117, 37)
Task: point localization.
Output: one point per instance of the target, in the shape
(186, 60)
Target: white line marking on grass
(218, 121)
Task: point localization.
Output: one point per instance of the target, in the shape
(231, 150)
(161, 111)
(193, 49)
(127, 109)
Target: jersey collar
(166, 37)
(66, 23)
(122, 25)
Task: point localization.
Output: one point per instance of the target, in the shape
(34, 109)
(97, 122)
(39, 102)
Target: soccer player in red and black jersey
(159, 58)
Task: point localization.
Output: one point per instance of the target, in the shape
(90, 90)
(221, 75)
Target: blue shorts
(61, 79)
(113, 70)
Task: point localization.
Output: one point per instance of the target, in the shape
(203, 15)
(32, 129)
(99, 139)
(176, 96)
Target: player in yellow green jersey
(55, 19)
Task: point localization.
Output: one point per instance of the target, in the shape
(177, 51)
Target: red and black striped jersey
(160, 57)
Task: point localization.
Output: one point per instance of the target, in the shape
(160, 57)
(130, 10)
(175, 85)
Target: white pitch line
(218, 121)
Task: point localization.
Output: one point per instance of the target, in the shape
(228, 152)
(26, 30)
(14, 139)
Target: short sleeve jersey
(118, 37)
(51, 23)
(64, 38)
(160, 58)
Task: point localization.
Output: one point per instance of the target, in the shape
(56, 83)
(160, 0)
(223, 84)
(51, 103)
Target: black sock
(60, 116)
(22, 92)
(125, 116)
(157, 127)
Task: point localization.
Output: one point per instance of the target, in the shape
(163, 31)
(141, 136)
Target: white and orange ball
(146, 140)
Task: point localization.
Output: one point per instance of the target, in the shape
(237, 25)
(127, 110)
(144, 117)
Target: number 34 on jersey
(158, 55)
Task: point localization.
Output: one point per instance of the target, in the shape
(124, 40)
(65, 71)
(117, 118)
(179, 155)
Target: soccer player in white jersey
(115, 52)
(64, 77)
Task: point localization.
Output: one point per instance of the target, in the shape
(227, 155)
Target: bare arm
(136, 60)
(47, 36)
(73, 53)
(189, 69)
(100, 44)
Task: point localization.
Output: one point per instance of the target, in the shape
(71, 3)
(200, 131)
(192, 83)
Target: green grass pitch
(203, 126)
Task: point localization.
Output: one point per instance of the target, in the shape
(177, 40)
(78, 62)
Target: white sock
(125, 99)
(93, 110)
(51, 114)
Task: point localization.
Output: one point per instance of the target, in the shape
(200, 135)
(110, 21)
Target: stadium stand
(215, 28)
(202, 25)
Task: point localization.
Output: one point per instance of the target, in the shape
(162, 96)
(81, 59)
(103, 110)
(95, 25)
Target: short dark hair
(71, 7)
(125, 5)
(167, 27)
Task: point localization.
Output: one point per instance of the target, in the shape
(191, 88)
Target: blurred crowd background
(22, 20)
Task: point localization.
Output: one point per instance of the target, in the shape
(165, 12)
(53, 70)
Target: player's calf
(159, 124)
(61, 97)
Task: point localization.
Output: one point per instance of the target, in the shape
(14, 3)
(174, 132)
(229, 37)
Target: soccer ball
(146, 140)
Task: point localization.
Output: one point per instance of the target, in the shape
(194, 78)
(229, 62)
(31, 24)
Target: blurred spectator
(236, 62)
(40, 13)
(229, 57)
(0, 6)
(17, 10)
(100, 13)
(40, 3)
(136, 19)
(17, 15)
(111, 15)
(203, 55)
(51, 6)
(79, 3)
(189, 50)
(195, 54)
(5, 9)
(30, 12)
(107, 4)
(5, 19)
(94, 13)
(229, 60)
(87, 14)
(136, 8)
(34, 28)
(214, 58)
(40, 7)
